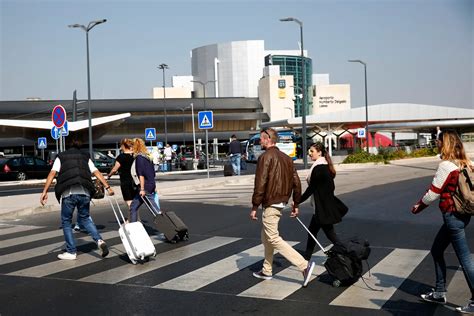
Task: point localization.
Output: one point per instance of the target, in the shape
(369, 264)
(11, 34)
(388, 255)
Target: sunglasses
(265, 131)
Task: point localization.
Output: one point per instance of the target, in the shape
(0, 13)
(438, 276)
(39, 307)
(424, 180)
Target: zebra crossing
(204, 263)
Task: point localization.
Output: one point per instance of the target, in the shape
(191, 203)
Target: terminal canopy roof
(386, 117)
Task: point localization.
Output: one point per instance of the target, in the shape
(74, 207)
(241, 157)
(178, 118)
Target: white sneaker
(307, 273)
(67, 256)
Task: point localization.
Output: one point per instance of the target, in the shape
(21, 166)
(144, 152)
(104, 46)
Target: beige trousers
(272, 241)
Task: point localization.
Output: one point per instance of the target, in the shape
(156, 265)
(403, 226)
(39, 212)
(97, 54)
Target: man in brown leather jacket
(275, 181)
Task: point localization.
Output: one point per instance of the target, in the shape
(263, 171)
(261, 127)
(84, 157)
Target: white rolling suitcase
(134, 237)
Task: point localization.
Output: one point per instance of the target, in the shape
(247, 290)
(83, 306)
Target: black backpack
(344, 261)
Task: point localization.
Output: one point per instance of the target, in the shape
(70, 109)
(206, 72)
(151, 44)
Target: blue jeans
(68, 204)
(235, 161)
(137, 202)
(452, 232)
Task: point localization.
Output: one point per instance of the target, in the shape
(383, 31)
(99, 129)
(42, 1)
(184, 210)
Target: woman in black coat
(328, 209)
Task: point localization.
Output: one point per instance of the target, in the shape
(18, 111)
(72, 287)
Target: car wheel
(21, 176)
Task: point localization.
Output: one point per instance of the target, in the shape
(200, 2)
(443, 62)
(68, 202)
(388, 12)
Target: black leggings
(314, 228)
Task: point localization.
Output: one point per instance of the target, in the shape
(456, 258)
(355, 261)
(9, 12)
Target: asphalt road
(378, 212)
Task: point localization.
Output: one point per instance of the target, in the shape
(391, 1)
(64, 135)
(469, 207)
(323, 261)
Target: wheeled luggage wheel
(133, 261)
(336, 283)
(185, 237)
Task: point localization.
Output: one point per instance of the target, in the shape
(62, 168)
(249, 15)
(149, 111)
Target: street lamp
(163, 67)
(86, 29)
(204, 91)
(182, 117)
(303, 89)
(366, 105)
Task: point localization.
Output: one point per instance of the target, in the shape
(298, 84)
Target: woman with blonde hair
(452, 231)
(123, 163)
(146, 174)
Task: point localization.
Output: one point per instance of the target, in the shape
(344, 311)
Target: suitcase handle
(149, 205)
(320, 246)
(118, 209)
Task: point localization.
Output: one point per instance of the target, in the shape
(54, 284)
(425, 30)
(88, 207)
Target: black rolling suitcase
(344, 261)
(228, 170)
(168, 223)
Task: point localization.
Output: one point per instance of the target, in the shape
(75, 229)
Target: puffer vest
(74, 171)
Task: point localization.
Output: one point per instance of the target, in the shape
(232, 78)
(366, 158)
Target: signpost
(150, 134)
(42, 144)
(58, 116)
(206, 121)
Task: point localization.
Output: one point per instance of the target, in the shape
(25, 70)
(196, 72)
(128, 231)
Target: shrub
(387, 154)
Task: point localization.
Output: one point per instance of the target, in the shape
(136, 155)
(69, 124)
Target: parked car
(103, 162)
(22, 168)
(186, 160)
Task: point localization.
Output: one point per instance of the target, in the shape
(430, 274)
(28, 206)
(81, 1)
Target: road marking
(82, 260)
(16, 229)
(387, 276)
(55, 247)
(286, 282)
(26, 239)
(128, 271)
(199, 278)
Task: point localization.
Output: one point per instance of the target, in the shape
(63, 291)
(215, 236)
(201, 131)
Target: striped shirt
(443, 186)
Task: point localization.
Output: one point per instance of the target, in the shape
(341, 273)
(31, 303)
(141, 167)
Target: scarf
(319, 161)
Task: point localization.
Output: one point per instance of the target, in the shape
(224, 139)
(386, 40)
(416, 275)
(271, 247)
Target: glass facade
(291, 65)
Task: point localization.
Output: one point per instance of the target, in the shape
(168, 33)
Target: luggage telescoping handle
(110, 198)
(148, 204)
(320, 246)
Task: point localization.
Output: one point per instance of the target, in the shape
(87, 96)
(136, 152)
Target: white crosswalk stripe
(388, 274)
(64, 265)
(285, 282)
(15, 229)
(199, 278)
(30, 238)
(116, 275)
(42, 250)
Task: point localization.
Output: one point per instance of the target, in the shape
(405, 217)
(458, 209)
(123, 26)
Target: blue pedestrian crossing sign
(150, 133)
(206, 119)
(159, 145)
(65, 129)
(42, 143)
(55, 132)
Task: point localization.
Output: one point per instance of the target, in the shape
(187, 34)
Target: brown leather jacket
(276, 178)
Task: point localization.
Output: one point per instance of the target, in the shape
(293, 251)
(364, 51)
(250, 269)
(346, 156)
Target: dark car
(22, 168)
(186, 160)
(103, 162)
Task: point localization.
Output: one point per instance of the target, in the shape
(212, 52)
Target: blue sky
(417, 51)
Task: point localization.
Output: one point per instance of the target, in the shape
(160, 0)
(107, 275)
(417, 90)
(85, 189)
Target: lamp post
(366, 104)
(203, 84)
(194, 133)
(163, 67)
(86, 29)
(303, 90)
(182, 117)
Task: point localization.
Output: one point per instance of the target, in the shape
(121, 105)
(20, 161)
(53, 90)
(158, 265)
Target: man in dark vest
(74, 188)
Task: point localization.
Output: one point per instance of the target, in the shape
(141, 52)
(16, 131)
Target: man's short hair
(233, 136)
(271, 133)
(75, 142)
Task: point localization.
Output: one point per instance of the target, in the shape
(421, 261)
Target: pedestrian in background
(328, 209)
(235, 152)
(123, 164)
(452, 231)
(168, 152)
(74, 189)
(146, 174)
(276, 180)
